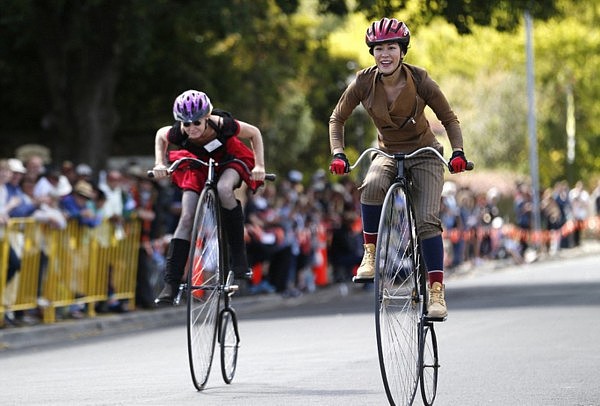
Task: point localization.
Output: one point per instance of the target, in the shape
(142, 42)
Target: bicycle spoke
(206, 257)
(203, 289)
(429, 371)
(229, 341)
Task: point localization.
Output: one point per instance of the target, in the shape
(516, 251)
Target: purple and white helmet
(191, 105)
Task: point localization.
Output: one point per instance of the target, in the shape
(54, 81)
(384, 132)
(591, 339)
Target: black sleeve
(175, 135)
(230, 125)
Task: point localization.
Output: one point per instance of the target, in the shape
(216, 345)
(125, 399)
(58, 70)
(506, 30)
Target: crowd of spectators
(477, 229)
(302, 231)
(33, 187)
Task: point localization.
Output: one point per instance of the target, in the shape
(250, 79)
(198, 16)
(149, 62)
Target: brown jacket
(403, 127)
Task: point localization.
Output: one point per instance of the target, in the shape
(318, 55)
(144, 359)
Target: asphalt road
(519, 336)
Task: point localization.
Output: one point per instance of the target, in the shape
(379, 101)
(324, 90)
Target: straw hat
(84, 189)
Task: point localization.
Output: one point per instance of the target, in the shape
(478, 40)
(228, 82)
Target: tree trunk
(78, 43)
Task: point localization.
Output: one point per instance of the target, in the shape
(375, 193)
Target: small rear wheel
(229, 340)
(430, 364)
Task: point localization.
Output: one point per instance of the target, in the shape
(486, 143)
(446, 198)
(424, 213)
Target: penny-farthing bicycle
(210, 284)
(406, 340)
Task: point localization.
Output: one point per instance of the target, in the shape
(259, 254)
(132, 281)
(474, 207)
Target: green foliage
(503, 15)
(567, 56)
(283, 64)
(483, 76)
(291, 132)
(493, 118)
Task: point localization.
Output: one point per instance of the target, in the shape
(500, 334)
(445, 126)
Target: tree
(98, 77)
(567, 56)
(76, 46)
(483, 75)
(503, 15)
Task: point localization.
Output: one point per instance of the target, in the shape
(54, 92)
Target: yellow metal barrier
(3, 270)
(5, 299)
(21, 292)
(59, 268)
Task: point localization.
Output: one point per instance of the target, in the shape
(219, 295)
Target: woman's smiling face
(197, 130)
(387, 56)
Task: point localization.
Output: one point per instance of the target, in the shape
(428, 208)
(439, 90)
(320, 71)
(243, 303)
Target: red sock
(370, 238)
(435, 276)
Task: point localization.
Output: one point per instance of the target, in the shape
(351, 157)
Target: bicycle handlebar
(173, 167)
(470, 165)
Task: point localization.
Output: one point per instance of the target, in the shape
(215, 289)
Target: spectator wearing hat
(42, 194)
(25, 207)
(13, 264)
(84, 172)
(7, 202)
(17, 166)
(80, 205)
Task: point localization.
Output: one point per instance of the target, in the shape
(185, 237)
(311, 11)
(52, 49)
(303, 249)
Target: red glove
(458, 162)
(339, 165)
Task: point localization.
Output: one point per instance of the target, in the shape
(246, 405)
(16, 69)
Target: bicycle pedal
(362, 280)
(435, 319)
(164, 303)
(232, 288)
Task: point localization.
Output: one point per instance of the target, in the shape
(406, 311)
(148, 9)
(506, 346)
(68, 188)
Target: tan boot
(366, 270)
(437, 304)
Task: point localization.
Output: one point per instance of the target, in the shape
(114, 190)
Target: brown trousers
(427, 174)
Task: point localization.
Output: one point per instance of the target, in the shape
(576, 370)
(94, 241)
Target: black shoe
(167, 295)
(242, 273)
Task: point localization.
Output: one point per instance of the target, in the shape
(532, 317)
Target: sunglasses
(196, 123)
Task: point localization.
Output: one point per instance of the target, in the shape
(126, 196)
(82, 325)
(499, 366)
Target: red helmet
(387, 30)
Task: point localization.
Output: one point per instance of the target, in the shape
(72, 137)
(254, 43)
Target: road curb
(103, 325)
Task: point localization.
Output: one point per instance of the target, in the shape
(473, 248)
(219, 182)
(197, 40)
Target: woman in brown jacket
(395, 94)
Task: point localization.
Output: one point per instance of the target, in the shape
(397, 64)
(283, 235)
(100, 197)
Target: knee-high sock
(433, 254)
(233, 222)
(177, 255)
(370, 220)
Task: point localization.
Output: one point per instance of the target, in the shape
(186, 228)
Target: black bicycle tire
(426, 330)
(401, 376)
(203, 288)
(229, 341)
(429, 367)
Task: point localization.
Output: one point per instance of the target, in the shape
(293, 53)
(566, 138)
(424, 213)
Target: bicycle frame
(209, 280)
(210, 319)
(404, 332)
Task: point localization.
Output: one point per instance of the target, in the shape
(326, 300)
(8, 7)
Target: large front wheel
(398, 304)
(203, 284)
